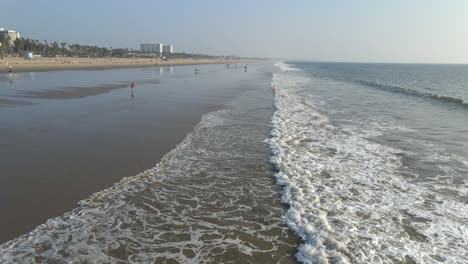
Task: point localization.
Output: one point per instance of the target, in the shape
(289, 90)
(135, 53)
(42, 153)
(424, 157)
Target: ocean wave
(347, 201)
(285, 67)
(406, 91)
(449, 99)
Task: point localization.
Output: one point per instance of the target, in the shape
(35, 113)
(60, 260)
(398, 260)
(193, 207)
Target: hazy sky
(332, 30)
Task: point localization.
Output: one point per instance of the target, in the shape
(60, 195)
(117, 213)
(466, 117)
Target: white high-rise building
(158, 47)
(144, 47)
(151, 47)
(10, 33)
(168, 49)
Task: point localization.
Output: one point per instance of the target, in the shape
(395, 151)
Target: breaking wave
(406, 91)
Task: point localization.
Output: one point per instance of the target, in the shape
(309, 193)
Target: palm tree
(19, 45)
(5, 44)
(63, 47)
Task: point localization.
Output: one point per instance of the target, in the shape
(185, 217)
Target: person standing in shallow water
(10, 74)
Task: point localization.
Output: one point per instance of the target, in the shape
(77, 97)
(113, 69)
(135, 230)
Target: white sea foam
(285, 67)
(347, 200)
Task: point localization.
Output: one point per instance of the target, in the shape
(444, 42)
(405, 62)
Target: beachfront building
(32, 56)
(13, 35)
(151, 47)
(168, 49)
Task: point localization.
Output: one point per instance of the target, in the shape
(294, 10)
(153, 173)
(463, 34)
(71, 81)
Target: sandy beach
(64, 139)
(78, 167)
(54, 64)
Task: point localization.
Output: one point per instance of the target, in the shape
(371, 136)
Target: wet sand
(70, 142)
(211, 199)
(74, 91)
(56, 64)
(9, 102)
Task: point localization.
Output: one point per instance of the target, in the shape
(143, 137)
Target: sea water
(373, 160)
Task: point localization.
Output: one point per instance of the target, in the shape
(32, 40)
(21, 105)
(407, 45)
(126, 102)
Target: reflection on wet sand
(163, 70)
(8, 102)
(72, 92)
(78, 91)
(17, 76)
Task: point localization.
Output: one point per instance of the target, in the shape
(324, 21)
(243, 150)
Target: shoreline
(71, 143)
(63, 64)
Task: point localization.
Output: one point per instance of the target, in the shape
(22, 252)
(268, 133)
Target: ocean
(298, 162)
(373, 160)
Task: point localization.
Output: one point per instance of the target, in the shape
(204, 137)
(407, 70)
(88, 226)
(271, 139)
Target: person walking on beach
(10, 72)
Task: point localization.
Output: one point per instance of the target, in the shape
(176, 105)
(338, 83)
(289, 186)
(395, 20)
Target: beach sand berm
(54, 64)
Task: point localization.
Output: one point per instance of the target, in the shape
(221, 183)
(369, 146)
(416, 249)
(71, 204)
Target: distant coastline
(58, 64)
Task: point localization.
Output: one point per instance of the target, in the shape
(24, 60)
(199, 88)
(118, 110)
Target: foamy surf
(348, 200)
(285, 67)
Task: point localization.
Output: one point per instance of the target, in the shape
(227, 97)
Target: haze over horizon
(359, 31)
